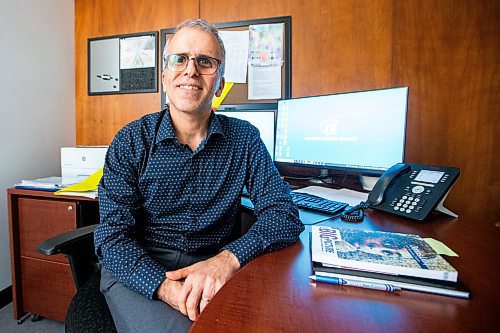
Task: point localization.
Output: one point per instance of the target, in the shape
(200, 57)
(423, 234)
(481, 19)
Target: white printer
(77, 163)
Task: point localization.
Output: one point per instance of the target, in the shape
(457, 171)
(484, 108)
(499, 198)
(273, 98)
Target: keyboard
(322, 205)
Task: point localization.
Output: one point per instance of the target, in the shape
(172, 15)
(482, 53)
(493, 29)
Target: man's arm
(278, 224)
(120, 204)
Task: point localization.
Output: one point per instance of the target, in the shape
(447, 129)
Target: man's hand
(168, 291)
(202, 281)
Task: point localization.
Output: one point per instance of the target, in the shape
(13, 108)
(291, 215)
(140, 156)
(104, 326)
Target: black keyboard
(312, 202)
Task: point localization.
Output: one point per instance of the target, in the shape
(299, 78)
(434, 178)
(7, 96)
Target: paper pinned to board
(236, 45)
(440, 247)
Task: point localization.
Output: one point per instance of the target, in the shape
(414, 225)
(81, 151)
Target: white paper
(264, 82)
(236, 45)
(137, 52)
(351, 197)
(266, 44)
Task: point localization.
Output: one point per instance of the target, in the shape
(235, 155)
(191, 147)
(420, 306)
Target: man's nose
(191, 69)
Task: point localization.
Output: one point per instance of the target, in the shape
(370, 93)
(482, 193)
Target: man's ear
(164, 81)
(218, 92)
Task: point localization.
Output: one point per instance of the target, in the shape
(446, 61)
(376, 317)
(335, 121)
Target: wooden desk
(43, 285)
(272, 293)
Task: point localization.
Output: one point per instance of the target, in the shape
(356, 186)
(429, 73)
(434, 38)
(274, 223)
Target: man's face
(188, 91)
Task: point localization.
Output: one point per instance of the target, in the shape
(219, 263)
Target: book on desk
(401, 260)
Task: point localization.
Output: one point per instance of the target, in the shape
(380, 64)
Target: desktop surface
(273, 292)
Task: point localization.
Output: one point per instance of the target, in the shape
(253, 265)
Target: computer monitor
(359, 131)
(263, 119)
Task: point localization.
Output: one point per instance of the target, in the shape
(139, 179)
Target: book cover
(378, 252)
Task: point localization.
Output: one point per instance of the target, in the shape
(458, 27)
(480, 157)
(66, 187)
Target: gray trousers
(133, 312)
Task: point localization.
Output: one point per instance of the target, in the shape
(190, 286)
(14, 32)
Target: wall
(37, 97)
(445, 51)
(98, 118)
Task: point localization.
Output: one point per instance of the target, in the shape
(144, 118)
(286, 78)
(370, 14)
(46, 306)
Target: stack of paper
(50, 184)
(86, 188)
(342, 195)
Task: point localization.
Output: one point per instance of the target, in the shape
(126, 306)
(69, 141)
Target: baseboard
(5, 296)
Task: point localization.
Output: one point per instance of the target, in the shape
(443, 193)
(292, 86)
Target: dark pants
(133, 312)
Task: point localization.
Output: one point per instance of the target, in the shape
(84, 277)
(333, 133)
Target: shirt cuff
(246, 248)
(146, 278)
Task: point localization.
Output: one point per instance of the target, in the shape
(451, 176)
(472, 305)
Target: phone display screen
(429, 176)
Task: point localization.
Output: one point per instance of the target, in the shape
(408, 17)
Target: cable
(355, 214)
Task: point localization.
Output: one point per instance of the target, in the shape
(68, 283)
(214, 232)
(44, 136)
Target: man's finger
(192, 303)
(178, 274)
(203, 303)
(182, 298)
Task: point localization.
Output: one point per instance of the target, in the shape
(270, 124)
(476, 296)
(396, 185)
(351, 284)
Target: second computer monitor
(263, 119)
(361, 131)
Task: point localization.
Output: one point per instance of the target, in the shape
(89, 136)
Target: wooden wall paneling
(447, 53)
(336, 45)
(98, 118)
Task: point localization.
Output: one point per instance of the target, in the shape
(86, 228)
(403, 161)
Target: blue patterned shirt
(157, 192)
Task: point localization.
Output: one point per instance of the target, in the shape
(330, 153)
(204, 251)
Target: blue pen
(354, 283)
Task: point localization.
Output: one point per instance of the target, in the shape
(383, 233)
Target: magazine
(378, 252)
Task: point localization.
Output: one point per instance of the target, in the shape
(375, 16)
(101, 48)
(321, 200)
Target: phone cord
(355, 214)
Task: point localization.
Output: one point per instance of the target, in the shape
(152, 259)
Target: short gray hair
(202, 25)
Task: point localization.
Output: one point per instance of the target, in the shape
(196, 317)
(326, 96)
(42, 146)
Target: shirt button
(193, 189)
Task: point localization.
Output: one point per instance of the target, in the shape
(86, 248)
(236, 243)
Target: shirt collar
(166, 129)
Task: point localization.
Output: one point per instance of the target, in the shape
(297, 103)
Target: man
(170, 194)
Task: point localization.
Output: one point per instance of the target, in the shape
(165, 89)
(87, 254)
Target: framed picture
(123, 64)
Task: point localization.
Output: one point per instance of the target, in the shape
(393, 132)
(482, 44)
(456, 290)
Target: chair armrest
(78, 246)
(68, 242)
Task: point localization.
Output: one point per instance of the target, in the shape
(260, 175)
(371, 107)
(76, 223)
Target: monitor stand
(322, 178)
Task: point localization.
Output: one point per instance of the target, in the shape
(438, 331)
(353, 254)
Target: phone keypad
(408, 203)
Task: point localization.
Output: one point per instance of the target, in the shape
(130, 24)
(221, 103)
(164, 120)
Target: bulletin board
(268, 59)
(123, 64)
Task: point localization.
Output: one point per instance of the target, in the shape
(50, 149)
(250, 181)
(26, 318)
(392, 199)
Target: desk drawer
(42, 219)
(48, 288)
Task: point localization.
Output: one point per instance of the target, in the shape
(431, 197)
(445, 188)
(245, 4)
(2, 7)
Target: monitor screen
(359, 131)
(264, 120)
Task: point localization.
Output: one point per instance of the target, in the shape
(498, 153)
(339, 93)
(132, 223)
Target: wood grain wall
(98, 118)
(446, 51)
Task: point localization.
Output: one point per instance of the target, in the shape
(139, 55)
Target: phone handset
(376, 196)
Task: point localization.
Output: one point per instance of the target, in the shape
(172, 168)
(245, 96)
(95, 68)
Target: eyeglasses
(205, 65)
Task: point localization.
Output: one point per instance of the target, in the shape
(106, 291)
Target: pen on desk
(354, 283)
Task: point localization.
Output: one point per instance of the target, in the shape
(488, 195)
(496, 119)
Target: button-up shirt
(157, 192)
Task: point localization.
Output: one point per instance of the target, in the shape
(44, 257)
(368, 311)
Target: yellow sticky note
(217, 101)
(440, 247)
(89, 184)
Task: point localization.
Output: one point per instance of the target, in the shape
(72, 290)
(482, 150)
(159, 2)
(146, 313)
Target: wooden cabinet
(43, 285)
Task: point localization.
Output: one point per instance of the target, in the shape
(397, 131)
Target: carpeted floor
(8, 324)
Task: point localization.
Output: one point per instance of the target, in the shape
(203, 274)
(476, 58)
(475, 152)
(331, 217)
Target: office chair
(88, 310)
